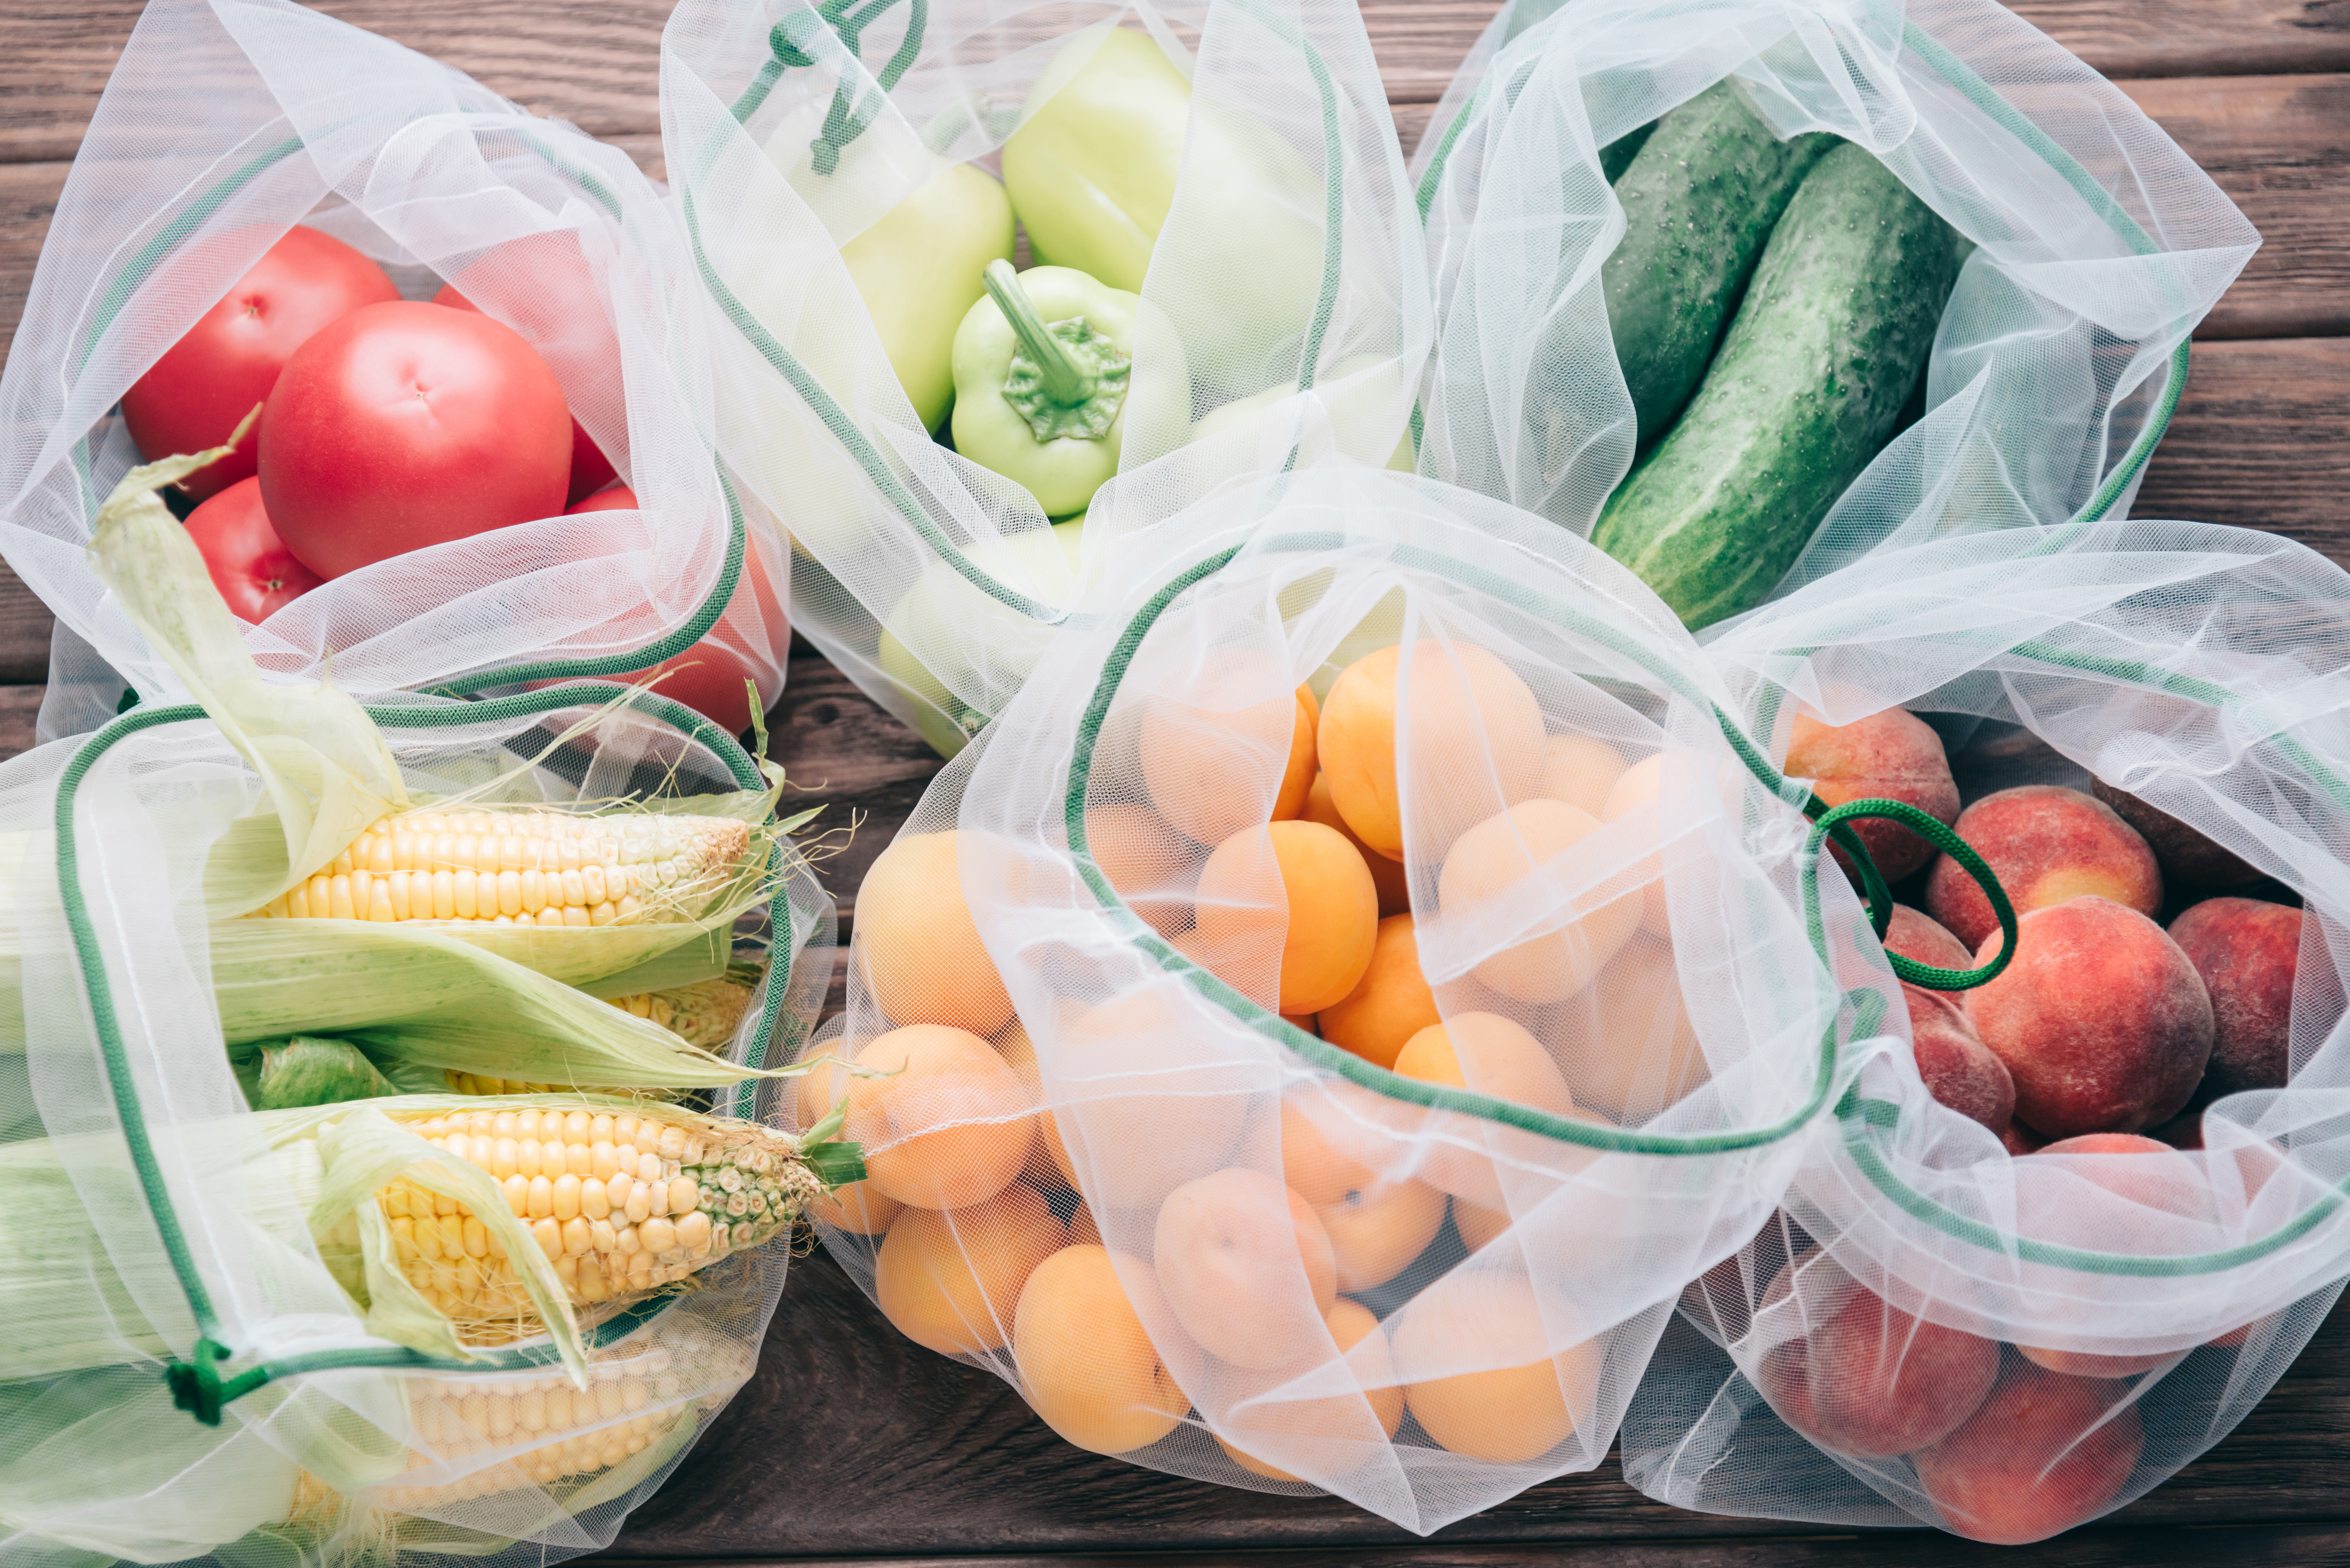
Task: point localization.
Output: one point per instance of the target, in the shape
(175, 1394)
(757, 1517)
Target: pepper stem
(1064, 382)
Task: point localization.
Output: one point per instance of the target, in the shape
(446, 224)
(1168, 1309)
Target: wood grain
(2261, 439)
(850, 756)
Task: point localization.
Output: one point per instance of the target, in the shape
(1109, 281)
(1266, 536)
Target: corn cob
(517, 866)
(622, 1204)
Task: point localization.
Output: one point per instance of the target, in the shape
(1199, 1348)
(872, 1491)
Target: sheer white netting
(931, 580)
(1298, 1250)
(2001, 1346)
(304, 120)
(513, 1463)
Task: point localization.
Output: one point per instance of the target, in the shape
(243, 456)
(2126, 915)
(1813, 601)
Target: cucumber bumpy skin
(1834, 333)
(1700, 199)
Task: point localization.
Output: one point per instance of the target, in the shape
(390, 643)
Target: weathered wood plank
(2259, 441)
(850, 756)
(20, 706)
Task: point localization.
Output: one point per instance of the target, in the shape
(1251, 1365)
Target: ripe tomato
(409, 424)
(590, 469)
(250, 564)
(194, 395)
(749, 637)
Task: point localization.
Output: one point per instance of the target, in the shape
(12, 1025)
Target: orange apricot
(1210, 739)
(1333, 1432)
(1087, 1364)
(1318, 1161)
(1580, 771)
(1246, 1266)
(856, 1209)
(1478, 1225)
(1388, 877)
(1480, 1372)
(1633, 1050)
(949, 1279)
(1389, 1004)
(1506, 857)
(1493, 1055)
(921, 958)
(1466, 712)
(1308, 882)
(1675, 779)
(952, 1124)
(1152, 865)
(1147, 1103)
(1376, 1231)
(1304, 1020)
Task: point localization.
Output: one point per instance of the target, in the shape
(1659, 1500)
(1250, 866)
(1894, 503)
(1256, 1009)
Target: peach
(922, 957)
(1308, 882)
(1152, 867)
(2102, 1020)
(2161, 1179)
(1087, 1364)
(1671, 781)
(1493, 1055)
(2184, 855)
(1959, 1069)
(1632, 1050)
(1376, 1230)
(1335, 1430)
(1393, 882)
(2020, 1140)
(1466, 713)
(1507, 856)
(950, 1280)
(2045, 1452)
(1869, 1379)
(1580, 771)
(1915, 935)
(1891, 755)
(1389, 1004)
(2047, 847)
(1246, 1266)
(1481, 1375)
(1211, 739)
(2247, 953)
(949, 1127)
(1160, 1105)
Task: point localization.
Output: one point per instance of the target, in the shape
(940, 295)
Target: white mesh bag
(345, 1385)
(1234, 1250)
(803, 138)
(2092, 246)
(304, 120)
(1930, 1330)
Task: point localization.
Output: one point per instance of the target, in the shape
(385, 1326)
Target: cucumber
(1700, 199)
(1617, 155)
(1834, 332)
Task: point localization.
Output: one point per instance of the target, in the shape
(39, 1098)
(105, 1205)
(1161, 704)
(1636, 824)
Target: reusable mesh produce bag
(1287, 261)
(1104, 1167)
(344, 1389)
(302, 118)
(1860, 1360)
(2094, 244)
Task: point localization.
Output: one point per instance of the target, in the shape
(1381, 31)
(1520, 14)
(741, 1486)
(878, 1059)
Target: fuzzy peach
(2185, 855)
(1869, 1379)
(1389, 1004)
(1458, 703)
(1890, 755)
(2044, 1453)
(2154, 1176)
(1510, 856)
(1308, 882)
(2047, 845)
(1959, 1069)
(2248, 953)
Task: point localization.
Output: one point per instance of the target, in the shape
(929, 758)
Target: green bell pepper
(1091, 172)
(1043, 368)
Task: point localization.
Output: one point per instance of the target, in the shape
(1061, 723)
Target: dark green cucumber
(1698, 203)
(1832, 333)
(1617, 155)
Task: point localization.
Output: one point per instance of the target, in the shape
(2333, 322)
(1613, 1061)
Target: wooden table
(852, 1443)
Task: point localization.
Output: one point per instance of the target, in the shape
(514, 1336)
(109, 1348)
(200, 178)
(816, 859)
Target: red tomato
(194, 395)
(708, 677)
(405, 425)
(250, 564)
(590, 469)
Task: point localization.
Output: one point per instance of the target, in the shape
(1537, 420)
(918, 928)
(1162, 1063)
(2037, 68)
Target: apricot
(2185, 855)
(2159, 1177)
(1580, 771)
(1308, 882)
(1211, 739)
(1480, 1373)
(949, 1127)
(1393, 882)
(1389, 1004)
(1891, 755)
(1478, 1225)
(1467, 715)
(1335, 1430)
(950, 1280)
(1493, 1055)
(1674, 783)
(1153, 867)
(1156, 1103)
(2047, 845)
(1318, 1154)
(2101, 1019)
(2044, 1453)
(1376, 1230)
(1508, 856)
(1246, 958)
(1306, 1022)
(1087, 1364)
(1631, 1049)
(1246, 1266)
(1046, 1157)
(2247, 953)
(923, 960)
(1869, 1379)
(856, 1209)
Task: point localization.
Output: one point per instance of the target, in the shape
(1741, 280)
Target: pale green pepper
(1043, 368)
